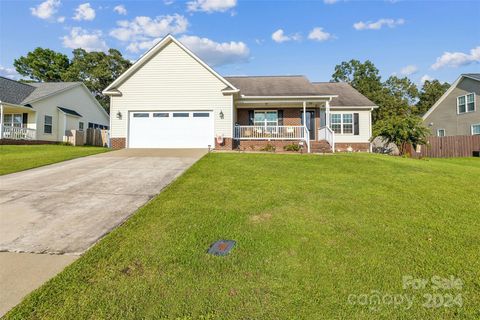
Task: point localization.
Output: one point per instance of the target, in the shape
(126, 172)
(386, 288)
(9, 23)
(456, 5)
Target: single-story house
(45, 111)
(170, 98)
(456, 112)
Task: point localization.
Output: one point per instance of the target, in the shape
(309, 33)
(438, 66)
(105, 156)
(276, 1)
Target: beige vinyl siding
(171, 80)
(77, 99)
(365, 128)
(445, 115)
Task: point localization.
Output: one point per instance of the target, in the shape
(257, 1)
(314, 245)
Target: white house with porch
(45, 111)
(170, 98)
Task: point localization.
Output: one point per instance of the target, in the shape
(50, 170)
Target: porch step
(321, 146)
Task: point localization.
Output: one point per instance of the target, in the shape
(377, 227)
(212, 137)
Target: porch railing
(326, 133)
(270, 132)
(16, 133)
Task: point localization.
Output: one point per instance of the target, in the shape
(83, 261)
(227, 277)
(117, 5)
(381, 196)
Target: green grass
(311, 230)
(23, 157)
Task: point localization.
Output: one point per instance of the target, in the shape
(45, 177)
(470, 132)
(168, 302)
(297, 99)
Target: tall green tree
(363, 76)
(429, 94)
(96, 70)
(42, 65)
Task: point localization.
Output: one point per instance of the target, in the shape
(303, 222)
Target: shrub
(269, 148)
(292, 147)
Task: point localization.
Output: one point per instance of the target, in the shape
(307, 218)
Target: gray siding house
(457, 112)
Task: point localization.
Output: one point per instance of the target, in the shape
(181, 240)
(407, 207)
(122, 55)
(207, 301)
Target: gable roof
(110, 90)
(347, 95)
(19, 93)
(274, 86)
(14, 92)
(473, 76)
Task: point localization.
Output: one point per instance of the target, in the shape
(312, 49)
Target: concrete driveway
(66, 207)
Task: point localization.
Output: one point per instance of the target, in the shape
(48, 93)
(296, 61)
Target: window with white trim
(342, 123)
(440, 132)
(13, 120)
(80, 126)
(47, 125)
(476, 129)
(266, 118)
(466, 103)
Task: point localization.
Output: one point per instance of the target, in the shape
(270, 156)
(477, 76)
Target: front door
(310, 123)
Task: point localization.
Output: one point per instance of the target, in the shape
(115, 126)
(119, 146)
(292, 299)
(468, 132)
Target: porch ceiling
(13, 108)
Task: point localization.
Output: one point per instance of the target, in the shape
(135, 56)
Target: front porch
(280, 124)
(17, 122)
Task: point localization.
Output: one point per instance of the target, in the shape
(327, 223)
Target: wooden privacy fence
(448, 147)
(96, 137)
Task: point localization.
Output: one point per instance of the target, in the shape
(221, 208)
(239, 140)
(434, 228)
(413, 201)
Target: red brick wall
(118, 143)
(226, 145)
(258, 145)
(342, 147)
(291, 116)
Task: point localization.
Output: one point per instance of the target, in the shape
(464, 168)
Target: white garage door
(171, 129)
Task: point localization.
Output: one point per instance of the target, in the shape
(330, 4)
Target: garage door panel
(171, 129)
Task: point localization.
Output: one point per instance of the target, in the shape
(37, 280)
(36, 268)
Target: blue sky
(420, 39)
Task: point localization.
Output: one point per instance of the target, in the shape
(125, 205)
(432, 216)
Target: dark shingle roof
(47, 88)
(70, 111)
(347, 95)
(475, 76)
(273, 86)
(14, 92)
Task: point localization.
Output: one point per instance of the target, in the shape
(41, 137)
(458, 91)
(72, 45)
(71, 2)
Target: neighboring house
(44, 111)
(457, 112)
(171, 99)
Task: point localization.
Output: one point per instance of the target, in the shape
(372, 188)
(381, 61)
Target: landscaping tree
(42, 65)
(402, 130)
(430, 93)
(95, 69)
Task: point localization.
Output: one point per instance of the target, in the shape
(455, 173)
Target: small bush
(269, 148)
(292, 147)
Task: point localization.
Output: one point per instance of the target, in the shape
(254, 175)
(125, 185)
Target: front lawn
(23, 157)
(318, 237)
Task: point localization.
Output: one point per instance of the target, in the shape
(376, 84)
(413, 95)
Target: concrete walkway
(66, 207)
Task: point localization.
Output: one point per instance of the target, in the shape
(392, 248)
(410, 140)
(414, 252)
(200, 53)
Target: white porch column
(305, 113)
(327, 113)
(1, 120)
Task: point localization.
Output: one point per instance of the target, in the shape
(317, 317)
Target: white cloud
(81, 38)
(457, 59)
(168, 2)
(217, 53)
(377, 25)
(84, 12)
(330, 1)
(409, 70)
(280, 36)
(10, 73)
(425, 77)
(318, 34)
(211, 5)
(144, 28)
(61, 19)
(46, 9)
(120, 9)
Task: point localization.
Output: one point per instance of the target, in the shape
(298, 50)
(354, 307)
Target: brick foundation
(226, 145)
(118, 143)
(356, 147)
(26, 142)
(258, 145)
